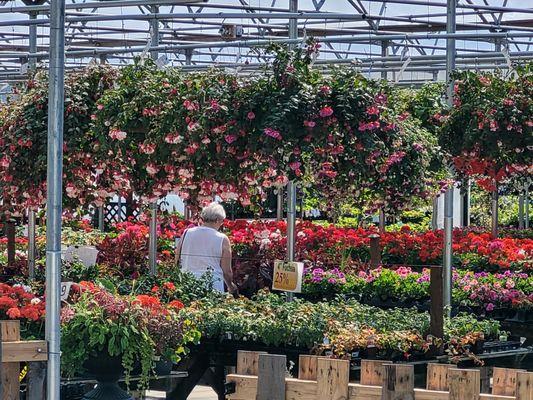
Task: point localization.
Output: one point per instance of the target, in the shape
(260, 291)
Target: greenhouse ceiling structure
(403, 41)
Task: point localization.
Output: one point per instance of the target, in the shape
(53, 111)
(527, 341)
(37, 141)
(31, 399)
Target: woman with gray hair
(204, 249)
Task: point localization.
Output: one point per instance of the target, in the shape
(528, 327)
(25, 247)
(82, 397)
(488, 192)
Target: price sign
(288, 276)
(65, 290)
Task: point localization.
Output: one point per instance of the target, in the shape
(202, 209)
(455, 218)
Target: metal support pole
(448, 196)
(188, 57)
(447, 255)
(152, 245)
(521, 210)
(154, 32)
(32, 42)
(291, 220)
(31, 244)
(291, 223)
(119, 208)
(526, 200)
(466, 204)
(381, 220)
(279, 204)
(54, 196)
(293, 22)
(435, 214)
(384, 53)
(494, 217)
(101, 218)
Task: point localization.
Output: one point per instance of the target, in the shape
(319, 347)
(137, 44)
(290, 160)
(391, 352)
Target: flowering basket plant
(136, 329)
(488, 131)
(23, 138)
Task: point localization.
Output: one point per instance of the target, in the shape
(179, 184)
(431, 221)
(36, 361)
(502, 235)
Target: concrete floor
(199, 393)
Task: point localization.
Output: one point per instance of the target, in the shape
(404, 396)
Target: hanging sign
(288, 276)
(65, 290)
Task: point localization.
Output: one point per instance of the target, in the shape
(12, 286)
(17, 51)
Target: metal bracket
(229, 388)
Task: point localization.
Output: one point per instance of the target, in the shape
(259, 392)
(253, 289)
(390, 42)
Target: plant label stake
(288, 276)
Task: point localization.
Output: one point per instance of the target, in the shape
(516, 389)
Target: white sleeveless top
(201, 251)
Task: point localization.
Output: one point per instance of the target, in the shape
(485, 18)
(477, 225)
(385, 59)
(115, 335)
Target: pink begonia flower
(147, 148)
(295, 165)
(5, 162)
(117, 134)
(326, 112)
(490, 307)
(151, 169)
(272, 133)
(372, 110)
(230, 138)
(100, 106)
(310, 124)
(250, 115)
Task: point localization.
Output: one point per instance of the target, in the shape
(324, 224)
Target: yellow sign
(288, 276)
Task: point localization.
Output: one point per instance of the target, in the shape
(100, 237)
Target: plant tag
(65, 290)
(288, 276)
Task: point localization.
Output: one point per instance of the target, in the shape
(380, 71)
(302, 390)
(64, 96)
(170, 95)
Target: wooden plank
(10, 331)
(307, 366)
(436, 311)
(30, 350)
(246, 389)
(524, 386)
(398, 382)
(437, 376)
(11, 242)
(248, 362)
(332, 378)
(9, 371)
(464, 384)
(372, 372)
(36, 389)
(296, 389)
(504, 381)
(271, 377)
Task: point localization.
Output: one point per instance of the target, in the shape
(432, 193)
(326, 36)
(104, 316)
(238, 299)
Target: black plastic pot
(107, 371)
(163, 367)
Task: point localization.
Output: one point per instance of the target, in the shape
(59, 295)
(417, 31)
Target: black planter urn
(107, 371)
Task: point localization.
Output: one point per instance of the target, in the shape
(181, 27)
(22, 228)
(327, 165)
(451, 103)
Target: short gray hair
(214, 212)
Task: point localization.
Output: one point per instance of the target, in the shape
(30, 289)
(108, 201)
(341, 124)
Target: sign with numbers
(288, 276)
(65, 290)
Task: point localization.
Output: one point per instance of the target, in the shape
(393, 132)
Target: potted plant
(107, 336)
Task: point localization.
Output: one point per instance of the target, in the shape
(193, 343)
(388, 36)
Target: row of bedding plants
(142, 321)
(498, 295)
(256, 244)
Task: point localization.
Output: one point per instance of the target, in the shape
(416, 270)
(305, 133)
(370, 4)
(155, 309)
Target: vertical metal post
(101, 218)
(293, 22)
(435, 214)
(521, 210)
(279, 204)
(152, 244)
(291, 223)
(119, 206)
(32, 61)
(494, 216)
(188, 56)
(152, 240)
(154, 32)
(526, 201)
(381, 220)
(31, 244)
(384, 53)
(32, 64)
(54, 195)
(466, 204)
(448, 196)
